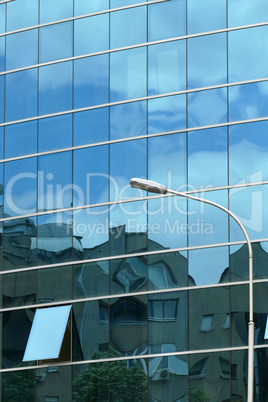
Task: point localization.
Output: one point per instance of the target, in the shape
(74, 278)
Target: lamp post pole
(154, 187)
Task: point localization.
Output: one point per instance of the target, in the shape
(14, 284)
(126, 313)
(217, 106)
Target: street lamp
(153, 187)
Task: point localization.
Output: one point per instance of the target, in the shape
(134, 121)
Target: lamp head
(148, 185)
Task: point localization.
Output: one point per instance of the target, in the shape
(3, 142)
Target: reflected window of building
(207, 323)
(198, 369)
(162, 310)
(161, 367)
(228, 370)
(160, 276)
(50, 336)
(51, 398)
(128, 311)
(104, 312)
(226, 325)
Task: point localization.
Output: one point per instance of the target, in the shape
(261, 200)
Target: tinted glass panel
(91, 126)
(15, 9)
(244, 12)
(166, 114)
(85, 7)
(2, 98)
(131, 82)
(2, 54)
(55, 42)
(91, 81)
(166, 65)
(53, 284)
(166, 20)
(53, 11)
(55, 88)
(91, 34)
(207, 62)
(18, 288)
(21, 139)
(2, 17)
(124, 24)
(128, 120)
(55, 133)
(21, 95)
(22, 49)
(245, 46)
(200, 20)
(207, 107)
(207, 158)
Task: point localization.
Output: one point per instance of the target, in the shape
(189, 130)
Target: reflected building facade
(93, 93)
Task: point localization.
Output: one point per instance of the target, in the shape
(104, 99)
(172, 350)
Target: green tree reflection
(126, 384)
(19, 386)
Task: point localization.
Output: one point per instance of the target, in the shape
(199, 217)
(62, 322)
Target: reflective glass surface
(22, 49)
(166, 114)
(47, 333)
(127, 274)
(128, 74)
(90, 175)
(91, 126)
(202, 20)
(91, 34)
(248, 101)
(245, 46)
(18, 288)
(207, 224)
(55, 88)
(15, 10)
(128, 120)
(20, 182)
(91, 81)
(53, 11)
(85, 7)
(55, 133)
(244, 12)
(53, 284)
(2, 17)
(248, 142)
(127, 160)
(207, 107)
(207, 60)
(54, 184)
(20, 139)
(122, 3)
(55, 42)
(123, 30)
(21, 95)
(207, 158)
(166, 20)
(2, 54)
(20, 376)
(2, 85)
(166, 67)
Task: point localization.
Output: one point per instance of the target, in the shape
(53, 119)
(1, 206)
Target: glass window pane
(207, 60)
(19, 289)
(55, 42)
(20, 187)
(2, 91)
(208, 224)
(91, 126)
(85, 38)
(55, 133)
(128, 120)
(207, 107)
(245, 12)
(21, 95)
(15, 10)
(54, 11)
(47, 333)
(245, 46)
(91, 81)
(167, 270)
(167, 160)
(1, 142)
(131, 82)
(248, 142)
(22, 49)
(166, 67)
(128, 274)
(55, 88)
(207, 158)
(166, 114)
(90, 175)
(124, 24)
(248, 101)
(166, 20)
(200, 20)
(127, 160)
(207, 266)
(122, 3)
(2, 54)
(2, 18)
(53, 284)
(20, 139)
(82, 7)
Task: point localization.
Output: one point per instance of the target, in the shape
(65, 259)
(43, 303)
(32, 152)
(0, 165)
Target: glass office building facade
(109, 293)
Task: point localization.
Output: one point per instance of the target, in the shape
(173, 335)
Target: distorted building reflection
(167, 321)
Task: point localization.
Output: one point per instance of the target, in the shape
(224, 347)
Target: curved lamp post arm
(154, 187)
